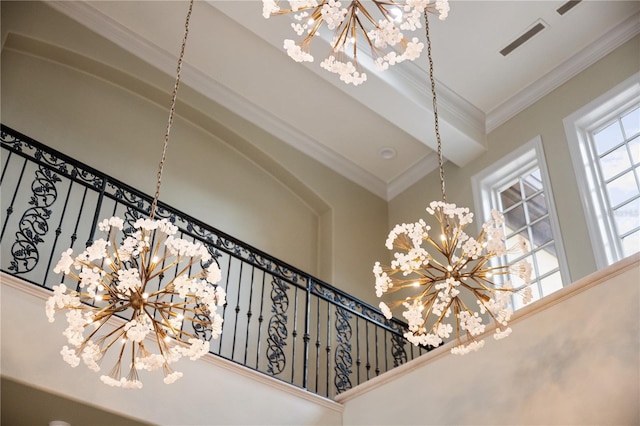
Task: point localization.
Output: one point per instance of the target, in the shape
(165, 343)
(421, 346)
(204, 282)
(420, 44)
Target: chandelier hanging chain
(435, 107)
(172, 109)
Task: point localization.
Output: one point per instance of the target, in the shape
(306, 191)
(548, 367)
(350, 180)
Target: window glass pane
(622, 189)
(531, 184)
(546, 259)
(537, 207)
(551, 283)
(541, 232)
(614, 163)
(628, 216)
(631, 244)
(514, 218)
(608, 137)
(634, 147)
(534, 179)
(631, 123)
(510, 196)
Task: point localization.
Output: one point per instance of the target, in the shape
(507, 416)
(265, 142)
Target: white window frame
(607, 247)
(503, 172)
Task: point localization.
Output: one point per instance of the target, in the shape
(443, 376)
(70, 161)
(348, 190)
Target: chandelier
(451, 282)
(380, 27)
(143, 274)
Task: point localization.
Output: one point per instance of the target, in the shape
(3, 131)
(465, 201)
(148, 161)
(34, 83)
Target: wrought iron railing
(278, 320)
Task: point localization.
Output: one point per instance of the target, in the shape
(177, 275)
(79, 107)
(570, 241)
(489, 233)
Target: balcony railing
(278, 320)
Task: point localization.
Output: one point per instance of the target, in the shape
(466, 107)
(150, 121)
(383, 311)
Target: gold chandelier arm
(171, 113)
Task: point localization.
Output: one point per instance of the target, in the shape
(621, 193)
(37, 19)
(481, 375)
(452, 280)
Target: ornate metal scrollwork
(33, 223)
(63, 166)
(273, 267)
(397, 349)
(130, 217)
(343, 359)
(202, 327)
(12, 141)
(277, 327)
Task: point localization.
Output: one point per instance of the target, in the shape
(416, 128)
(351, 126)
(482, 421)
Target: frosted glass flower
(65, 263)
(296, 52)
(172, 377)
(385, 310)
(145, 279)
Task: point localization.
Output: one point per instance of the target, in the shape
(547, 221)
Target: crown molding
(561, 74)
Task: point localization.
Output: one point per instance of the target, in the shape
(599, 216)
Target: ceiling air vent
(567, 6)
(539, 26)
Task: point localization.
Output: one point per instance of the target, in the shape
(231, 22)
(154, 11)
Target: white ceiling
(235, 57)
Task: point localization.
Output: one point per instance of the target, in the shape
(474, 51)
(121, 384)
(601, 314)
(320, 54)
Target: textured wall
(575, 362)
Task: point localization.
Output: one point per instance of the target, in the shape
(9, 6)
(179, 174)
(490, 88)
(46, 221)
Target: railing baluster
(13, 199)
(358, 361)
(6, 166)
(377, 352)
(328, 348)
(317, 344)
(74, 235)
(235, 325)
(307, 337)
(224, 308)
(96, 215)
(386, 352)
(294, 334)
(246, 340)
(260, 320)
(368, 364)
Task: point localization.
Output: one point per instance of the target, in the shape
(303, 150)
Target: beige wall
(573, 362)
(84, 96)
(543, 118)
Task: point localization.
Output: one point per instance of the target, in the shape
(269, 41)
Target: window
(518, 187)
(604, 140)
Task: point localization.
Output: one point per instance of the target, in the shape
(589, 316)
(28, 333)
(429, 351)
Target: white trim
(563, 73)
(605, 243)
(504, 170)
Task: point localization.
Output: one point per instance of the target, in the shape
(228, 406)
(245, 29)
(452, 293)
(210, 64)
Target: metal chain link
(171, 113)
(435, 107)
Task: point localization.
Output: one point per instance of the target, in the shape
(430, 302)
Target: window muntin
(604, 142)
(523, 204)
(617, 145)
(518, 187)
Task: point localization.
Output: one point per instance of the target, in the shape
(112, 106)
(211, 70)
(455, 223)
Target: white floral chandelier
(380, 27)
(163, 319)
(451, 281)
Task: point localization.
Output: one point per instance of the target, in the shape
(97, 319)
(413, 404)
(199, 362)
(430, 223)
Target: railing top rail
(314, 285)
